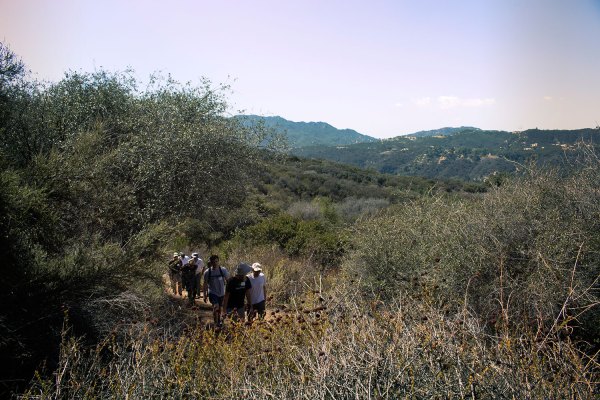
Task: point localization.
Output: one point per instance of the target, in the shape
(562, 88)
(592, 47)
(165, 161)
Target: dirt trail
(200, 311)
(198, 314)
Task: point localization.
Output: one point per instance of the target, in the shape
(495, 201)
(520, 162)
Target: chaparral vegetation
(379, 285)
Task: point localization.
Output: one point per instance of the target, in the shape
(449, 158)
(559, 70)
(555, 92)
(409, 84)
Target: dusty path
(200, 312)
(198, 315)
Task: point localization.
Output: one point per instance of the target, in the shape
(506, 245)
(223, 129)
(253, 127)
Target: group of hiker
(240, 296)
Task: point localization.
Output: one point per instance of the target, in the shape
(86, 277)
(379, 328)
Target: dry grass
(328, 345)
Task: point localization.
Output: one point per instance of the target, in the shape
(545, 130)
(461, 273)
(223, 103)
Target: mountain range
(470, 154)
(465, 153)
(302, 134)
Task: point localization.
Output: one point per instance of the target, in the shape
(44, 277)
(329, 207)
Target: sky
(382, 68)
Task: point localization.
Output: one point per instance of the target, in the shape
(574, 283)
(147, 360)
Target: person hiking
(184, 260)
(188, 272)
(258, 292)
(200, 268)
(236, 294)
(213, 289)
(175, 274)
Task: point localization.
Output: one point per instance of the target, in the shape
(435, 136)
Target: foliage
(316, 240)
(447, 131)
(294, 179)
(525, 254)
(96, 175)
(11, 67)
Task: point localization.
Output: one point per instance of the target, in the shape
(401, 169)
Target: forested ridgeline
(380, 286)
(461, 153)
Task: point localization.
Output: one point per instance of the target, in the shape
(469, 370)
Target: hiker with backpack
(213, 289)
(175, 266)
(188, 272)
(237, 294)
(200, 268)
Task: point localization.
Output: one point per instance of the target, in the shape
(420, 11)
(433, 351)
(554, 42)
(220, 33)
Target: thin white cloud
(548, 98)
(399, 105)
(447, 102)
(422, 102)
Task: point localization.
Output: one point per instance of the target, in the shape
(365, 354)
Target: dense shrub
(352, 208)
(527, 253)
(316, 240)
(306, 210)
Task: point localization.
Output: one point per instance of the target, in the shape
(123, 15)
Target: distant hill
(468, 153)
(302, 134)
(443, 131)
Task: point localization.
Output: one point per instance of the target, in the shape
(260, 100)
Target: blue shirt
(215, 279)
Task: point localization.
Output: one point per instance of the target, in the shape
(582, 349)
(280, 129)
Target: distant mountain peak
(302, 134)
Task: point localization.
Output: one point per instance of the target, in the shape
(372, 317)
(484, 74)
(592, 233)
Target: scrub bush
(525, 254)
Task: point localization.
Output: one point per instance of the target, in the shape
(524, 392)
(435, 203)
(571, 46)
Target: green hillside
(301, 134)
(294, 179)
(447, 131)
(470, 153)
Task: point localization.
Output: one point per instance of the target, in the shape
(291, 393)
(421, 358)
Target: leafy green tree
(96, 177)
(11, 66)
(14, 96)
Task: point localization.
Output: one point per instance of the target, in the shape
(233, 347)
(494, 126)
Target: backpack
(210, 270)
(188, 271)
(175, 266)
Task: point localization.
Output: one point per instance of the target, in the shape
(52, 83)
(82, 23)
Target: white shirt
(257, 291)
(185, 260)
(199, 266)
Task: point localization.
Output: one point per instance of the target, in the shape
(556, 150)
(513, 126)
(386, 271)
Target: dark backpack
(210, 270)
(188, 270)
(175, 266)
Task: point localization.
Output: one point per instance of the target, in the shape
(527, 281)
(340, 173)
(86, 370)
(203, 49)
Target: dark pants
(197, 285)
(259, 308)
(189, 283)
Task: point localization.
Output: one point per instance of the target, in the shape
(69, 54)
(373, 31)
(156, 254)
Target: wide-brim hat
(243, 269)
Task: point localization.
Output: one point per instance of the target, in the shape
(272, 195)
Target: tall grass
(343, 348)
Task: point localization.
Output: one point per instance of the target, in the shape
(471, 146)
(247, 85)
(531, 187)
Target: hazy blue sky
(383, 68)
